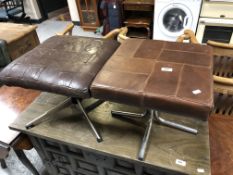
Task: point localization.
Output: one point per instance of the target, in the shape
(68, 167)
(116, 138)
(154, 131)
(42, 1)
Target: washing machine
(172, 17)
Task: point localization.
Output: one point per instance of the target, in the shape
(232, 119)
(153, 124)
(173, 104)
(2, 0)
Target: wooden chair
(222, 73)
(223, 69)
(119, 34)
(15, 10)
(223, 77)
(67, 31)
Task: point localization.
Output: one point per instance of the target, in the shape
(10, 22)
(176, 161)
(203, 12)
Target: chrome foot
(142, 151)
(49, 113)
(95, 132)
(129, 114)
(174, 125)
(69, 101)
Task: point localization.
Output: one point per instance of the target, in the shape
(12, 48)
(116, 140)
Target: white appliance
(216, 22)
(172, 17)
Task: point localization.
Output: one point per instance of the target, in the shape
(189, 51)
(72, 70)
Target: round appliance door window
(174, 19)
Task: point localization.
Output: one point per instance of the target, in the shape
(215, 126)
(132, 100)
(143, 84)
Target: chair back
(14, 8)
(222, 73)
(223, 67)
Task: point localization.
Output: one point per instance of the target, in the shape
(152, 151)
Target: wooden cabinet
(88, 13)
(20, 38)
(138, 17)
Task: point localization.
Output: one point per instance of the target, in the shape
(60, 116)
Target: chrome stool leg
(142, 151)
(64, 104)
(95, 132)
(49, 113)
(129, 114)
(173, 124)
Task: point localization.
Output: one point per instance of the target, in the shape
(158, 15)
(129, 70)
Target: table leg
(22, 157)
(4, 150)
(3, 163)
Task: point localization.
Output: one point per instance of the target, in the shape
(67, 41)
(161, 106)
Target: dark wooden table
(65, 143)
(221, 141)
(12, 102)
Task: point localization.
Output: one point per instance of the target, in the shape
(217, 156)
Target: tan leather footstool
(160, 76)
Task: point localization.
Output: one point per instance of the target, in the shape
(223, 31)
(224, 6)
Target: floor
(45, 30)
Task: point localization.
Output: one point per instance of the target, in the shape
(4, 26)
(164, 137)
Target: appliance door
(220, 30)
(174, 19)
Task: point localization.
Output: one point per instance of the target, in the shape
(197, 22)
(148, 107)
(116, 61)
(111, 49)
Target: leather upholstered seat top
(167, 76)
(63, 64)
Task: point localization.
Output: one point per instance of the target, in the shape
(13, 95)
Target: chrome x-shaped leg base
(60, 106)
(154, 115)
(49, 113)
(173, 124)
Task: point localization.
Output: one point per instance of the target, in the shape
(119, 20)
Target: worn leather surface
(171, 77)
(62, 64)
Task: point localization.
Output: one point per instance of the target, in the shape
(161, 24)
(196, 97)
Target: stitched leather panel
(62, 64)
(172, 77)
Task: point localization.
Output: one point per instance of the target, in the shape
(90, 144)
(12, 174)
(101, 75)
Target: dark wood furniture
(48, 7)
(67, 147)
(138, 17)
(12, 102)
(88, 14)
(20, 38)
(221, 150)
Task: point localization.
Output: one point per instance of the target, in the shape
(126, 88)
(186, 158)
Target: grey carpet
(15, 167)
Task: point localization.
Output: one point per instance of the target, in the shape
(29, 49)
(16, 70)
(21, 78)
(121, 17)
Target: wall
(73, 10)
(32, 9)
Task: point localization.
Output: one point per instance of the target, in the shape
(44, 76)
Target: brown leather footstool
(160, 76)
(64, 65)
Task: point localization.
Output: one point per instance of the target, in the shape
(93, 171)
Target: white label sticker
(200, 170)
(166, 69)
(180, 162)
(196, 92)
